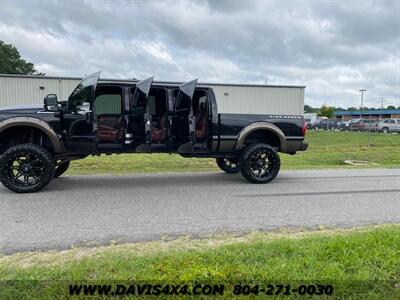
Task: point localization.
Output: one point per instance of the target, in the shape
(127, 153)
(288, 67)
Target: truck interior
(156, 105)
(198, 105)
(108, 111)
(200, 111)
(111, 122)
(157, 108)
(138, 102)
(180, 120)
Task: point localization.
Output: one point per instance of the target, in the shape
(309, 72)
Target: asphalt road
(91, 210)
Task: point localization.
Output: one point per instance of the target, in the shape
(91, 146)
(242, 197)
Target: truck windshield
(81, 97)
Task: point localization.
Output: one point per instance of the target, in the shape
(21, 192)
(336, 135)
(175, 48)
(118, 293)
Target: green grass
(362, 263)
(326, 150)
(330, 150)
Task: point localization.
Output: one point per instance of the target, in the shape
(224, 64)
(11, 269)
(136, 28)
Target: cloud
(334, 48)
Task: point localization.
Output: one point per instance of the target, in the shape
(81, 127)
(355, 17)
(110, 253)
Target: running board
(144, 148)
(188, 148)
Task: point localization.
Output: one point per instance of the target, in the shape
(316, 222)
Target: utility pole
(382, 99)
(362, 99)
(361, 112)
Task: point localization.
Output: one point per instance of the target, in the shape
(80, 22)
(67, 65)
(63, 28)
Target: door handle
(148, 125)
(89, 117)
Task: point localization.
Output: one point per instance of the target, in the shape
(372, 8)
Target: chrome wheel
(260, 163)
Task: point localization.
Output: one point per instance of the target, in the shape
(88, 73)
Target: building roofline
(368, 112)
(128, 81)
(39, 76)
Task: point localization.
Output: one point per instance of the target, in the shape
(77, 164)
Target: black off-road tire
(61, 169)
(229, 165)
(42, 162)
(251, 161)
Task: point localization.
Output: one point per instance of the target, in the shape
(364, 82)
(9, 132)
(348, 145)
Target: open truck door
(184, 107)
(138, 101)
(79, 117)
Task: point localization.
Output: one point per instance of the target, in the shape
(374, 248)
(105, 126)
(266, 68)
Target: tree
(310, 109)
(12, 63)
(326, 111)
(391, 107)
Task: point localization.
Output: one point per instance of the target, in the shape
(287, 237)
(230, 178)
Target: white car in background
(389, 125)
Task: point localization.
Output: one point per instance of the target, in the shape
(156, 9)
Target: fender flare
(35, 123)
(261, 126)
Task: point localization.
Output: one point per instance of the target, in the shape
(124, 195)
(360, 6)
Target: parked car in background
(389, 125)
(356, 125)
(370, 125)
(310, 118)
(363, 125)
(344, 125)
(325, 124)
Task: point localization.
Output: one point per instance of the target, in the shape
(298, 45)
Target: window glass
(80, 99)
(152, 105)
(138, 98)
(108, 104)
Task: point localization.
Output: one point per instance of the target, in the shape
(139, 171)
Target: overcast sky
(334, 48)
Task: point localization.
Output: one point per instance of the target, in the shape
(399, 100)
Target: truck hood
(21, 109)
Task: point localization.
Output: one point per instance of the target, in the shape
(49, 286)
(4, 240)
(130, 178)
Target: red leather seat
(109, 129)
(201, 121)
(158, 135)
(201, 127)
(107, 134)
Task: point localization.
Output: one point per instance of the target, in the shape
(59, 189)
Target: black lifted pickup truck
(115, 116)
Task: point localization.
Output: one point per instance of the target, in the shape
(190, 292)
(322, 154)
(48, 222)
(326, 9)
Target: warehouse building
(26, 89)
(368, 114)
(231, 98)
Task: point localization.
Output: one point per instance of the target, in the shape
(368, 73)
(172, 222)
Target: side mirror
(50, 102)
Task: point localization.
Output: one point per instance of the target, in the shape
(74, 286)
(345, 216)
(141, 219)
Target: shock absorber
(31, 137)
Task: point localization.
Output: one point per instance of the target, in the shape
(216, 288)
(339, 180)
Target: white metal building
(231, 98)
(26, 89)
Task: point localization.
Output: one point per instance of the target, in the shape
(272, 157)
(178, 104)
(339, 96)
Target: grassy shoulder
(326, 150)
(362, 262)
